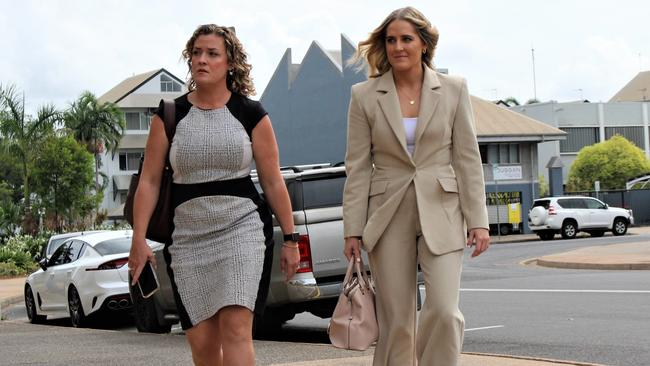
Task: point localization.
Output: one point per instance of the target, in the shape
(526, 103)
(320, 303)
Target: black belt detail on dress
(240, 187)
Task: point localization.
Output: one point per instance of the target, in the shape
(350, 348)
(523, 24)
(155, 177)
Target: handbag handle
(362, 278)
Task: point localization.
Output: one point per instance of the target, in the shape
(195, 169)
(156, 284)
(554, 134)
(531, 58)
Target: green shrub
(17, 254)
(123, 225)
(26, 244)
(9, 269)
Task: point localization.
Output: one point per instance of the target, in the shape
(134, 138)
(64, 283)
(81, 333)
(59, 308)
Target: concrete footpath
(28, 344)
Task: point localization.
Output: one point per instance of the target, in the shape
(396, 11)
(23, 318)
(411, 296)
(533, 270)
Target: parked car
(316, 194)
(572, 214)
(86, 274)
(55, 241)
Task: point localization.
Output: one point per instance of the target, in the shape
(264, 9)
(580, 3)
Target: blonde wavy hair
(240, 81)
(373, 49)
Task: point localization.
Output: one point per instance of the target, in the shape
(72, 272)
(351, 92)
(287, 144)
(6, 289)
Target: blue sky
(53, 50)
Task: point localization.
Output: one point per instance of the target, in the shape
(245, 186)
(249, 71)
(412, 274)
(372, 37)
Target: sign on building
(507, 172)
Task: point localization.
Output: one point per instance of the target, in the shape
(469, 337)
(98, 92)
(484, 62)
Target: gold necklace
(410, 100)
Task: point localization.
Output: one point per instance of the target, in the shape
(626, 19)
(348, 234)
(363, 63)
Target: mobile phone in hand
(148, 282)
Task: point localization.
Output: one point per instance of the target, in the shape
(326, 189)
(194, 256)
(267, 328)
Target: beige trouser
(393, 263)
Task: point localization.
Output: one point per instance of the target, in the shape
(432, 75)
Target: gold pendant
(411, 102)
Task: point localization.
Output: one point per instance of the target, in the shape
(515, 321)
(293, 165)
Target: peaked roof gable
(129, 85)
(636, 90)
(287, 72)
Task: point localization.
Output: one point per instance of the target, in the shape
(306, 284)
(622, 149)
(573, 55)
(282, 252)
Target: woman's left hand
(289, 259)
(480, 238)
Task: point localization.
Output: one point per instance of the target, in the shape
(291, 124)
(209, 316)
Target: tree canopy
(612, 162)
(21, 133)
(63, 177)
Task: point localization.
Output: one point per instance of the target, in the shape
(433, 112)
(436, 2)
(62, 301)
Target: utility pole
(532, 52)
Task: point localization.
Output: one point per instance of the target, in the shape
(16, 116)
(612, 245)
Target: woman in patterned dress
(221, 226)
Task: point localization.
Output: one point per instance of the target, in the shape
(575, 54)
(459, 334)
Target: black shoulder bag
(161, 223)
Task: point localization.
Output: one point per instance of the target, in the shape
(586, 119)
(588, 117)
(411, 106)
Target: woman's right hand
(352, 248)
(139, 255)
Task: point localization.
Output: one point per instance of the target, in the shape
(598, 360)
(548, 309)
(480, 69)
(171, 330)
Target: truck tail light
(305, 255)
(551, 210)
(114, 264)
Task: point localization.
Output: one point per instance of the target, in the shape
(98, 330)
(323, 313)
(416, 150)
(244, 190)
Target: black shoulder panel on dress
(182, 108)
(248, 112)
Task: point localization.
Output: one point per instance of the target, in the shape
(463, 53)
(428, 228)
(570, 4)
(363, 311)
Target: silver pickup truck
(316, 194)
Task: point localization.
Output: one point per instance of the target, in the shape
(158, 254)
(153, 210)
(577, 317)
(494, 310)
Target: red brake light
(114, 264)
(305, 255)
(551, 210)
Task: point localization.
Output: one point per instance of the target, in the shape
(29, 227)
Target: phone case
(148, 282)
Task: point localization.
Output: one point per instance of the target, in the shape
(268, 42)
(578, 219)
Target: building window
(632, 133)
(122, 197)
(499, 153)
(577, 138)
(130, 160)
(137, 120)
(167, 85)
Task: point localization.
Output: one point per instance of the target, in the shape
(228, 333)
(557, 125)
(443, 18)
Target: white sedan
(86, 274)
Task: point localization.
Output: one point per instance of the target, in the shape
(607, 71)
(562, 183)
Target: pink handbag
(353, 324)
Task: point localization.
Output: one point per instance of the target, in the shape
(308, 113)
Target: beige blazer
(445, 167)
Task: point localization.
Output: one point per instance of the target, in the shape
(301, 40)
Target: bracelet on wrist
(292, 246)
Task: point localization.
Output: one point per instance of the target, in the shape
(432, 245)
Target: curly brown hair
(240, 81)
(373, 49)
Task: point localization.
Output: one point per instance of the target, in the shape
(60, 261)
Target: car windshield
(114, 246)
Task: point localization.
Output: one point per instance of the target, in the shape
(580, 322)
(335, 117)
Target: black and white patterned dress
(220, 253)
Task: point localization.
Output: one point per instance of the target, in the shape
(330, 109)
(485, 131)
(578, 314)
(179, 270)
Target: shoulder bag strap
(169, 119)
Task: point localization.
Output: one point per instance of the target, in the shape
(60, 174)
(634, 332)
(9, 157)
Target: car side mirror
(43, 264)
(606, 207)
(37, 257)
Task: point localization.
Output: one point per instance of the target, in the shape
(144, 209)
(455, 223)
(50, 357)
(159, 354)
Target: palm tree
(511, 101)
(96, 125)
(21, 133)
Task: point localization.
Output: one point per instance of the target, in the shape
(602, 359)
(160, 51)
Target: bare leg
(205, 341)
(236, 329)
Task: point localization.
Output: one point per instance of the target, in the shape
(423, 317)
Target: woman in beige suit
(414, 190)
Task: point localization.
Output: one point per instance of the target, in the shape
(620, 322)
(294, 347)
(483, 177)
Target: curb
(585, 265)
(362, 360)
(7, 303)
(560, 362)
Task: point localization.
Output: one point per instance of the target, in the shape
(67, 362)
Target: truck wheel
(569, 229)
(505, 229)
(270, 322)
(620, 227)
(546, 235)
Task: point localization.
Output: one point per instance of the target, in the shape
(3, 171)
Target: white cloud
(53, 50)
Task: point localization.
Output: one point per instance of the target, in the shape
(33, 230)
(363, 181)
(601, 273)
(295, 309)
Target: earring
(230, 72)
(424, 51)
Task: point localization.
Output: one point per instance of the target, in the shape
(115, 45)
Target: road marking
(482, 328)
(555, 290)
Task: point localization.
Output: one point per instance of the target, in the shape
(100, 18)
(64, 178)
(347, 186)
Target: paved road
(511, 308)
(584, 315)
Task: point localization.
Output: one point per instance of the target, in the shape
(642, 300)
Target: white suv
(571, 214)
